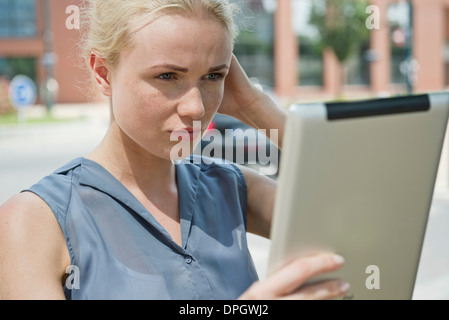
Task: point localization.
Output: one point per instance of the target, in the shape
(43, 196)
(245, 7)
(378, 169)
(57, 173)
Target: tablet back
(357, 178)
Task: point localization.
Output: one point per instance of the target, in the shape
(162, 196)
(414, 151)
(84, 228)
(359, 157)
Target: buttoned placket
(187, 190)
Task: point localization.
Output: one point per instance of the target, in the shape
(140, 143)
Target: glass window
(10, 67)
(358, 66)
(311, 16)
(310, 64)
(398, 17)
(18, 19)
(254, 46)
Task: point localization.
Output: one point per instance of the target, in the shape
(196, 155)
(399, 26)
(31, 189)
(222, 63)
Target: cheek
(136, 113)
(213, 99)
(136, 101)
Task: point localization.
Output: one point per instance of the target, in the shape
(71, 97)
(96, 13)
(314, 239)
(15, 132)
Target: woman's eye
(166, 76)
(215, 76)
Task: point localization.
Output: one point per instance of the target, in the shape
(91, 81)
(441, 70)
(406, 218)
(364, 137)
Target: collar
(94, 175)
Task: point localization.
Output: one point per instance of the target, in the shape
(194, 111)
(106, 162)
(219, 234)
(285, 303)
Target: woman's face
(168, 80)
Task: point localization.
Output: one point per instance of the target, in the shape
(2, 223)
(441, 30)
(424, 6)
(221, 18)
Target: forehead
(183, 38)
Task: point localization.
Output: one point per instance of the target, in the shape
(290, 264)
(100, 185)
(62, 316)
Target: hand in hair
(245, 101)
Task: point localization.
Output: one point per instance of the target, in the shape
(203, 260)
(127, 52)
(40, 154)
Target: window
(358, 66)
(254, 46)
(310, 64)
(18, 19)
(10, 67)
(398, 16)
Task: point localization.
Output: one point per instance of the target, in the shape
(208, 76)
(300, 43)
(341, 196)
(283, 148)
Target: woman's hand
(247, 103)
(240, 94)
(288, 283)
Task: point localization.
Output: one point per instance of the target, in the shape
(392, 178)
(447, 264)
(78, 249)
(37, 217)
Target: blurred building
(26, 47)
(275, 47)
(378, 68)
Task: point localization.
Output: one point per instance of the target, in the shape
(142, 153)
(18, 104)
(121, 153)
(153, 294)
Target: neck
(133, 166)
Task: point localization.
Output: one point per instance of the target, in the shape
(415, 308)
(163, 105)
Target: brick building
(285, 64)
(22, 29)
(430, 49)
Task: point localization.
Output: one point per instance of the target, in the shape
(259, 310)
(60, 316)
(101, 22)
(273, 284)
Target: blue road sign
(22, 92)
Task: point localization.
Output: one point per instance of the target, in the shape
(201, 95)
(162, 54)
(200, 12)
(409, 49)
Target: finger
(289, 278)
(320, 291)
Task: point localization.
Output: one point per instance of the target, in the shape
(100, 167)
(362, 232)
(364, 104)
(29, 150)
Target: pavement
(30, 152)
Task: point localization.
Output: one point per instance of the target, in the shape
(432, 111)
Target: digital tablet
(357, 179)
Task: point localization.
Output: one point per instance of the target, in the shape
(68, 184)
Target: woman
(129, 222)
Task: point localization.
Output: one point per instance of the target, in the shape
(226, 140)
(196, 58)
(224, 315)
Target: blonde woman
(127, 221)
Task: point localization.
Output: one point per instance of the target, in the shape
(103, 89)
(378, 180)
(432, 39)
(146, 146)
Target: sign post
(22, 93)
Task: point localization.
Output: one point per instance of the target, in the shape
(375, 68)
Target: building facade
(35, 41)
(39, 38)
(383, 61)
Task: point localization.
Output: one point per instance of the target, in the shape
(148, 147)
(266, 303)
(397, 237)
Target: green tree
(341, 26)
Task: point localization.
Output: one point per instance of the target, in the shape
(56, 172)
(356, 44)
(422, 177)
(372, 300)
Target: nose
(191, 105)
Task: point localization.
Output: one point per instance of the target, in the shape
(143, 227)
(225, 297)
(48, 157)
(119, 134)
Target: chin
(182, 150)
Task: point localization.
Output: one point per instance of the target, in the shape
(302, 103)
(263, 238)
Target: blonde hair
(108, 24)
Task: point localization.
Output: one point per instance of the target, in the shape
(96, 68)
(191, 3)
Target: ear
(101, 73)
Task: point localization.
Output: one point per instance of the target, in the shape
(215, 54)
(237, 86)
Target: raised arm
(33, 253)
(245, 102)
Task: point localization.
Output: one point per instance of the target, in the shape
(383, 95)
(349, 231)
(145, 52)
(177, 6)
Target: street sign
(22, 92)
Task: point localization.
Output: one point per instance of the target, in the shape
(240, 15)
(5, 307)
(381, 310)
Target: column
(429, 36)
(285, 51)
(380, 46)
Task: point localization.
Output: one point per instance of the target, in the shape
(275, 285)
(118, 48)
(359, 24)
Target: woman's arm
(33, 253)
(260, 205)
(245, 102)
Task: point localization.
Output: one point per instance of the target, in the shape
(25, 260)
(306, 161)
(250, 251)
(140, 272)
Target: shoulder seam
(234, 169)
(68, 241)
(244, 184)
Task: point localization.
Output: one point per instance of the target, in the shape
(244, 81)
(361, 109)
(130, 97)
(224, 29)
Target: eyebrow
(185, 70)
(218, 68)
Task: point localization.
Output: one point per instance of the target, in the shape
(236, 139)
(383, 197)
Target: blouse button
(188, 259)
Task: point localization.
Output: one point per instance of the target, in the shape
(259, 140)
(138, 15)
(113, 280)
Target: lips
(185, 134)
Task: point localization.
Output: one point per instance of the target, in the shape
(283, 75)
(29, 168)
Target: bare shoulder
(258, 185)
(253, 176)
(33, 253)
(25, 215)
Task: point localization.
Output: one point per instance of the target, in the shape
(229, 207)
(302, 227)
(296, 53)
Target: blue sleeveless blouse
(119, 251)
